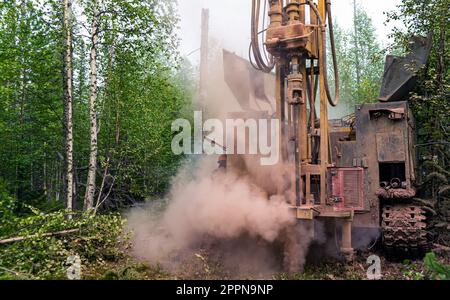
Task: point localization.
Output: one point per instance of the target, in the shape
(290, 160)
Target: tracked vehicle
(359, 172)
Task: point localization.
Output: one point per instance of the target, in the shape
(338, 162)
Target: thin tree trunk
(357, 59)
(441, 58)
(20, 176)
(44, 182)
(92, 174)
(68, 105)
(106, 171)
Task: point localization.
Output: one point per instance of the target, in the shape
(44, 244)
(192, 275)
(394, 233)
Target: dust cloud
(230, 218)
(224, 214)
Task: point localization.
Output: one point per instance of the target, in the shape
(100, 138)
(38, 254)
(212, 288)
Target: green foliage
(435, 269)
(135, 271)
(412, 271)
(7, 209)
(140, 94)
(430, 99)
(30, 95)
(98, 239)
(142, 89)
(144, 115)
(360, 62)
(366, 53)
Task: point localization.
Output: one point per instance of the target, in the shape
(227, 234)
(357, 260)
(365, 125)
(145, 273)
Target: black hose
(260, 64)
(333, 53)
(259, 61)
(334, 102)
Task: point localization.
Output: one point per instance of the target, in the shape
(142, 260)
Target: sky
(230, 22)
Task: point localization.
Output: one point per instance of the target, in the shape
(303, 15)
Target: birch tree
(68, 102)
(92, 173)
(129, 25)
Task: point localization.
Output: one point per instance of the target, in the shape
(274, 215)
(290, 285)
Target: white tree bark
(90, 186)
(355, 27)
(68, 103)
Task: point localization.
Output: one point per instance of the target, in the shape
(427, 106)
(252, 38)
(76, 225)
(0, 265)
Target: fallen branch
(10, 271)
(17, 274)
(22, 238)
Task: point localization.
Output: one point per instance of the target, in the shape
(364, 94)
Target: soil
(201, 267)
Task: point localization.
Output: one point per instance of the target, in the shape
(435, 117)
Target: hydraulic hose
(334, 102)
(333, 53)
(259, 62)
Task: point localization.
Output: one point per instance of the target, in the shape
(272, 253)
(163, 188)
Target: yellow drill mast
(296, 40)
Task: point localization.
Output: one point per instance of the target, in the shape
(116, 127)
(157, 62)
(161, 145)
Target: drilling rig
(359, 174)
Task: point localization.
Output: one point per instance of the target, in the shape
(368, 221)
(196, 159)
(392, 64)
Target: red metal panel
(347, 188)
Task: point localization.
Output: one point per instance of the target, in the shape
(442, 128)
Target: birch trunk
(90, 186)
(68, 104)
(357, 59)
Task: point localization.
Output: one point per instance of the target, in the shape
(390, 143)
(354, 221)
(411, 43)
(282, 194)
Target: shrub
(436, 270)
(97, 239)
(7, 207)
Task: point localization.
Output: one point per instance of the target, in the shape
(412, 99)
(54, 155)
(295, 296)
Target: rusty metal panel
(347, 188)
(372, 121)
(344, 154)
(400, 73)
(391, 147)
(244, 81)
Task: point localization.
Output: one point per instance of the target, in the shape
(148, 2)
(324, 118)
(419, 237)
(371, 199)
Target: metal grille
(352, 186)
(348, 188)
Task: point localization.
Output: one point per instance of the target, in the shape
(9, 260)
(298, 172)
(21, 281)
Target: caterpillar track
(405, 230)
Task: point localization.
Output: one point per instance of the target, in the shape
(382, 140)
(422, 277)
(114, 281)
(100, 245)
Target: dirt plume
(226, 211)
(231, 217)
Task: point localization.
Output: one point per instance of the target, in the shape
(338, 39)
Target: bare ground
(202, 267)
